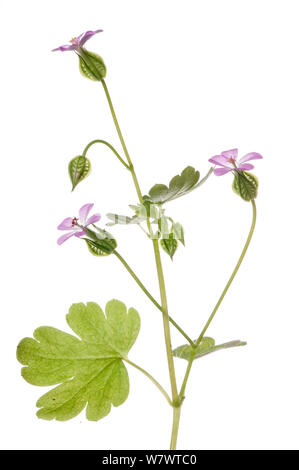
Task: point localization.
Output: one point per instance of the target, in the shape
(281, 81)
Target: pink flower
(228, 161)
(78, 42)
(77, 225)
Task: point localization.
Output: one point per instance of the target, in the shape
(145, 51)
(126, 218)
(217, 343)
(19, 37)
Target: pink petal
(230, 154)
(93, 219)
(78, 38)
(84, 211)
(250, 156)
(245, 166)
(66, 224)
(222, 161)
(88, 35)
(67, 47)
(80, 234)
(65, 237)
(222, 171)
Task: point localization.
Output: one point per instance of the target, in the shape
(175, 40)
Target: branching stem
(165, 315)
(99, 141)
(155, 382)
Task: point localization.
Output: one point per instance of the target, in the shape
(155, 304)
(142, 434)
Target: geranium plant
(88, 368)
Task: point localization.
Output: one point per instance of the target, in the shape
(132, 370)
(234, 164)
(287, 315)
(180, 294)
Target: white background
(188, 79)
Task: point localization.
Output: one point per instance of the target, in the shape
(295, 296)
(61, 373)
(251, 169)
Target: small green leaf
(79, 168)
(91, 65)
(245, 184)
(90, 371)
(180, 185)
(184, 352)
(206, 346)
(169, 245)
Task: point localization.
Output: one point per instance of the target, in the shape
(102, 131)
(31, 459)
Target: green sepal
(91, 65)
(245, 184)
(101, 242)
(169, 245)
(102, 248)
(79, 168)
(87, 370)
(206, 346)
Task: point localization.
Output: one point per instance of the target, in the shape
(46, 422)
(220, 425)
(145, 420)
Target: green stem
(160, 276)
(176, 401)
(233, 273)
(135, 277)
(175, 427)
(185, 380)
(122, 141)
(154, 381)
(98, 141)
(165, 317)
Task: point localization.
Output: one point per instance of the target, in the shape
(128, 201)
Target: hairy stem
(154, 381)
(98, 141)
(135, 277)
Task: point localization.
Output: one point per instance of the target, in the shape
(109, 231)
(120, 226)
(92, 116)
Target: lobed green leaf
(180, 185)
(90, 371)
